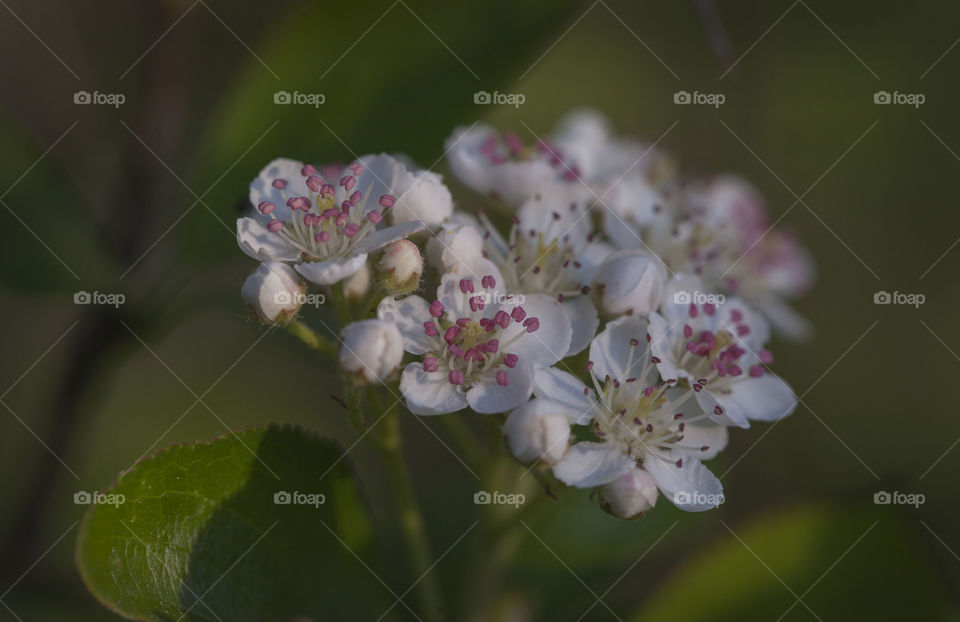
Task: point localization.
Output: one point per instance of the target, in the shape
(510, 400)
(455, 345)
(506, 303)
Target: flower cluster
(588, 247)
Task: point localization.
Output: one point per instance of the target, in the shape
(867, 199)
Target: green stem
(311, 338)
(411, 520)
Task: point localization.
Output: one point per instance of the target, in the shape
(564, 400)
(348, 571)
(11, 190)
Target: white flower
(717, 345)
(455, 247)
(538, 430)
(400, 267)
(325, 223)
(421, 196)
(274, 291)
(371, 350)
(551, 250)
(630, 495)
(479, 347)
(355, 287)
(630, 281)
(642, 421)
(490, 162)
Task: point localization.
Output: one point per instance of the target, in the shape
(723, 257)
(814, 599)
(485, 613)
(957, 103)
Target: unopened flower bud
(423, 197)
(630, 282)
(274, 291)
(537, 430)
(356, 287)
(371, 350)
(630, 495)
(400, 267)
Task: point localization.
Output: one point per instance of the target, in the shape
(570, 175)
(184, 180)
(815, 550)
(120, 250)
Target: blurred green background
(141, 200)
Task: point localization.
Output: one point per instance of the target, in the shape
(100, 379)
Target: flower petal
(567, 391)
(379, 238)
(611, 350)
(408, 314)
(691, 487)
(583, 320)
(587, 464)
(287, 170)
(258, 242)
(766, 398)
(430, 393)
(488, 397)
(332, 270)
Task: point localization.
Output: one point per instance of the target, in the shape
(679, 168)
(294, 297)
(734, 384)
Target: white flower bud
(455, 248)
(356, 287)
(630, 281)
(371, 350)
(424, 198)
(537, 430)
(274, 291)
(400, 267)
(630, 495)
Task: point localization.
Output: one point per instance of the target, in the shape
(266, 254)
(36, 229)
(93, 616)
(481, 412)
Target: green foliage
(200, 535)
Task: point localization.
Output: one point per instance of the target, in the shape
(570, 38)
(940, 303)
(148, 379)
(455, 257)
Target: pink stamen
(503, 379)
(275, 225)
(510, 360)
(351, 229)
(430, 364)
(266, 207)
(322, 237)
(374, 216)
(456, 377)
(279, 184)
(436, 308)
(387, 200)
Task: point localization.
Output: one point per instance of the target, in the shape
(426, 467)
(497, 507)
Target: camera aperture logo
(700, 99)
(898, 298)
(901, 99)
(698, 298)
(303, 99)
(695, 497)
(83, 497)
(513, 99)
(283, 497)
(883, 497)
(98, 298)
(101, 99)
(498, 498)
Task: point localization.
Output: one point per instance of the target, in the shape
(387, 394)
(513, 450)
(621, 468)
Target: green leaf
(199, 534)
(886, 575)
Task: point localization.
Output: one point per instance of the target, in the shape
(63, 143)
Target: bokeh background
(141, 200)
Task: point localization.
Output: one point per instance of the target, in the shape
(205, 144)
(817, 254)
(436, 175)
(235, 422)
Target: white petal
(678, 293)
(704, 434)
(583, 319)
(662, 339)
(379, 238)
(430, 393)
(549, 343)
(260, 243)
(261, 188)
(691, 487)
(332, 270)
(567, 391)
(611, 350)
(488, 397)
(766, 398)
(587, 464)
(408, 314)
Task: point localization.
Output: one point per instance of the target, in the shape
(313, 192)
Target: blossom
(478, 347)
(491, 162)
(630, 281)
(551, 249)
(641, 421)
(421, 196)
(371, 350)
(717, 345)
(324, 224)
(538, 430)
(274, 291)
